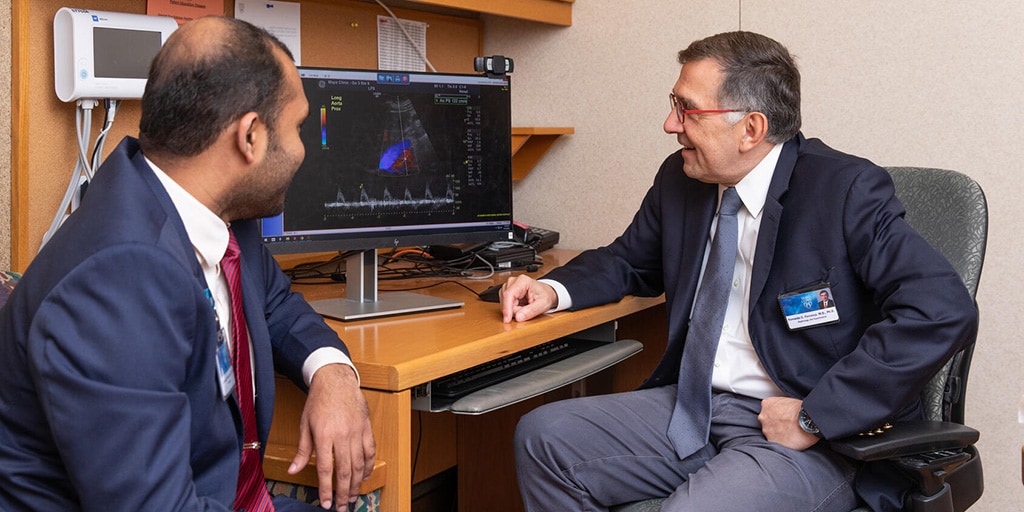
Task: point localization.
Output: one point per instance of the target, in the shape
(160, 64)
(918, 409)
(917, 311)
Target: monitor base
(387, 304)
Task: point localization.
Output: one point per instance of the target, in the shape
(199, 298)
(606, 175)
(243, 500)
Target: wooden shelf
(555, 12)
(278, 457)
(530, 144)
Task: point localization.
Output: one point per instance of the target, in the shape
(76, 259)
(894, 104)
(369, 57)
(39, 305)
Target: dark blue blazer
(108, 385)
(903, 309)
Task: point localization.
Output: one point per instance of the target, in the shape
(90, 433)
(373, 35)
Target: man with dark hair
(138, 351)
(824, 302)
(732, 416)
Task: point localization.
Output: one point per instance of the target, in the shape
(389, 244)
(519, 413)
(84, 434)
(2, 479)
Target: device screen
(123, 53)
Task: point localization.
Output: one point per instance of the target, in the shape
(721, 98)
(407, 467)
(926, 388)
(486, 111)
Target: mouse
(491, 294)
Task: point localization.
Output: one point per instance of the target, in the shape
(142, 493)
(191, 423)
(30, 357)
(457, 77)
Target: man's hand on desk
(523, 298)
(336, 423)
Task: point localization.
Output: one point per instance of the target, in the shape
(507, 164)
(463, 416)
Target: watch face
(806, 423)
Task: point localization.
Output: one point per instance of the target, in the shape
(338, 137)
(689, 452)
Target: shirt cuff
(564, 300)
(322, 357)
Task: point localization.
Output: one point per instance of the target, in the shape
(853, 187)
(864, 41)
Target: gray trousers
(589, 453)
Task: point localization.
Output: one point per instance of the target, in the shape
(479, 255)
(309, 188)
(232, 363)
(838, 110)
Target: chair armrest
(938, 456)
(907, 438)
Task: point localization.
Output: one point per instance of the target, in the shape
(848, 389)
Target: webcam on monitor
(493, 66)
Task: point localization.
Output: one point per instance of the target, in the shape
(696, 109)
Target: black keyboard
(459, 384)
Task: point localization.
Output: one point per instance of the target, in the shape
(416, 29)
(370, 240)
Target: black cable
(324, 271)
(439, 283)
(395, 267)
(419, 441)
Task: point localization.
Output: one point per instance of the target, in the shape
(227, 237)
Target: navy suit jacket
(108, 384)
(903, 309)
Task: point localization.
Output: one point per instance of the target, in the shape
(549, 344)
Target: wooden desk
(395, 354)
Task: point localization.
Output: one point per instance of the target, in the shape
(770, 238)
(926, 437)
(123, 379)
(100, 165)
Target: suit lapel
(701, 201)
(259, 333)
(173, 229)
(174, 235)
(769, 231)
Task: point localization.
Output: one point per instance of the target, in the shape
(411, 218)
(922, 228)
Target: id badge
(225, 370)
(810, 306)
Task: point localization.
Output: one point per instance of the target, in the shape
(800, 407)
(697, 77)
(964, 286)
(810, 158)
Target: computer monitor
(396, 159)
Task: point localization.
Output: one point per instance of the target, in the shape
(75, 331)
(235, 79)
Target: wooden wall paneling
(344, 34)
(433, 443)
(649, 327)
(337, 33)
(556, 12)
(43, 132)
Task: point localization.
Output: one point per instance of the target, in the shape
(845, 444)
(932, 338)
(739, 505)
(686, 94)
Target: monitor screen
(124, 53)
(396, 159)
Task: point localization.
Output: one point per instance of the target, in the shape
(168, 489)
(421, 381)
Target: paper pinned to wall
(183, 12)
(279, 18)
(395, 51)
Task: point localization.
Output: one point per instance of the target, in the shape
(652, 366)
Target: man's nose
(672, 124)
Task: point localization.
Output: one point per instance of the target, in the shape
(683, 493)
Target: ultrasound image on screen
(394, 151)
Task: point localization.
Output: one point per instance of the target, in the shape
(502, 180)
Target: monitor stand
(363, 300)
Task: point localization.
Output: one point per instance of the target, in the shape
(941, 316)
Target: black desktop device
(396, 159)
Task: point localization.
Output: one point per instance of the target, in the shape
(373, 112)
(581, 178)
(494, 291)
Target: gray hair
(759, 75)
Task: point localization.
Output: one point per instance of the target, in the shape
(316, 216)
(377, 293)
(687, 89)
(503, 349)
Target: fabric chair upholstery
(7, 281)
(950, 211)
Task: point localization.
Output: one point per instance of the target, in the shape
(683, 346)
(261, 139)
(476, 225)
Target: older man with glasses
(746, 215)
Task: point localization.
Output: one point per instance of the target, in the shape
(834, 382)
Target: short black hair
(191, 96)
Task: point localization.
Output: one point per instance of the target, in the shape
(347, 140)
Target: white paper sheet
(278, 18)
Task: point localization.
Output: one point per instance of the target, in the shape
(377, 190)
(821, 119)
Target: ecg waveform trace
(388, 203)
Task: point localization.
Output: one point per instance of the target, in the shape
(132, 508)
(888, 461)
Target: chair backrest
(949, 210)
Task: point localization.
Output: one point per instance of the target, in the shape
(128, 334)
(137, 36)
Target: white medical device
(105, 55)
(99, 55)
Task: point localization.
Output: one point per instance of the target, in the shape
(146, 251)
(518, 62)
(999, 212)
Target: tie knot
(730, 202)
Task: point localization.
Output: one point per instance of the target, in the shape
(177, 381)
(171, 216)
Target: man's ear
(755, 130)
(250, 136)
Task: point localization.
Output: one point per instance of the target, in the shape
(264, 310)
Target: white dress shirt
(209, 236)
(737, 367)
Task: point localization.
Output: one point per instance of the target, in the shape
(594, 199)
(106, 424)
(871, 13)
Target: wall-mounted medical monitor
(105, 55)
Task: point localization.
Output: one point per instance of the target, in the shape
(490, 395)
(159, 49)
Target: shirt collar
(753, 188)
(207, 232)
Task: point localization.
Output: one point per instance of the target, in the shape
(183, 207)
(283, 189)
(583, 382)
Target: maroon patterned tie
(252, 495)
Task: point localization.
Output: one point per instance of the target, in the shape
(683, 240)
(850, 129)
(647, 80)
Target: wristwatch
(808, 425)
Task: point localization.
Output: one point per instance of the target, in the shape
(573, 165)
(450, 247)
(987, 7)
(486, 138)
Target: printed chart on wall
(399, 47)
(184, 11)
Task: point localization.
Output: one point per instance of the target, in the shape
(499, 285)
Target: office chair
(937, 454)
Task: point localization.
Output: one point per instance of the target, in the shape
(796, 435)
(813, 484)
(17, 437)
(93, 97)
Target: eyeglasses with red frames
(677, 107)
